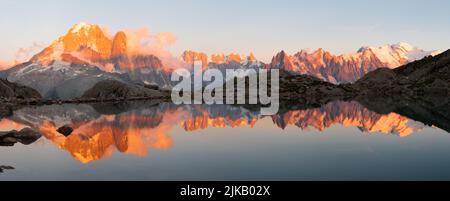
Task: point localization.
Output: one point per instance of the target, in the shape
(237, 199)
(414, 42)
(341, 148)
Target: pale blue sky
(218, 26)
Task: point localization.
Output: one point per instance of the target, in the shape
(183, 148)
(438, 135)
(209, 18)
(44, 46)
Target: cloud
(143, 42)
(5, 65)
(24, 54)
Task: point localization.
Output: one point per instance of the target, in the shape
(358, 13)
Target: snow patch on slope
(78, 27)
(398, 54)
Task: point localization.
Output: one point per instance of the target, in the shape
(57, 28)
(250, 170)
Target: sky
(263, 27)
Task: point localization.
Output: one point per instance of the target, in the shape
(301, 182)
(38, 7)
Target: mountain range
(75, 62)
(349, 67)
(86, 55)
(337, 69)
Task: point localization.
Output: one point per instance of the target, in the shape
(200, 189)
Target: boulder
(65, 130)
(25, 136)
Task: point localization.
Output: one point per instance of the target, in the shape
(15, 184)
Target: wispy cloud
(22, 55)
(143, 42)
(25, 53)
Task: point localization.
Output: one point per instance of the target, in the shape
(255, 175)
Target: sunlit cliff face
(190, 57)
(136, 132)
(90, 44)
(83, 41)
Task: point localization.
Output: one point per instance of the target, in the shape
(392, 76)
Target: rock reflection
(5, 167)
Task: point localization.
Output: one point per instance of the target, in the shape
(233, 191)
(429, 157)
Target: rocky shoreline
(8, 105)
(38, 102)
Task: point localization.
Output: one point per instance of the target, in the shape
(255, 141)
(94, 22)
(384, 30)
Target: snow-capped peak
(80, 26)
(83, 42)
(404, 46)
(397, 54)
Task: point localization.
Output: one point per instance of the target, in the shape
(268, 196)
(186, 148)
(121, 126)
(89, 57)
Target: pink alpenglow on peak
(351, 66)
(191, 56)
(91, 44)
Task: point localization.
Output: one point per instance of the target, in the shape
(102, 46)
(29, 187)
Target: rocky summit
(89, 44)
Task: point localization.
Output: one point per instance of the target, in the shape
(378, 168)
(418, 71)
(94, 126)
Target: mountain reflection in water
(136, 127)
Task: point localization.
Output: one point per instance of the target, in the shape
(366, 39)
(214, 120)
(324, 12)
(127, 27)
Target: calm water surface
(143, 141)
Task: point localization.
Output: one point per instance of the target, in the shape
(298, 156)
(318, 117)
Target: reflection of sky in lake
(339, 141)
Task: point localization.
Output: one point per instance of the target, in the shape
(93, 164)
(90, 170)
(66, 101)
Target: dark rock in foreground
(5, 167)
(301, 89)
(25, 136)
(5, 110)
(65, 130)
(309, 88)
